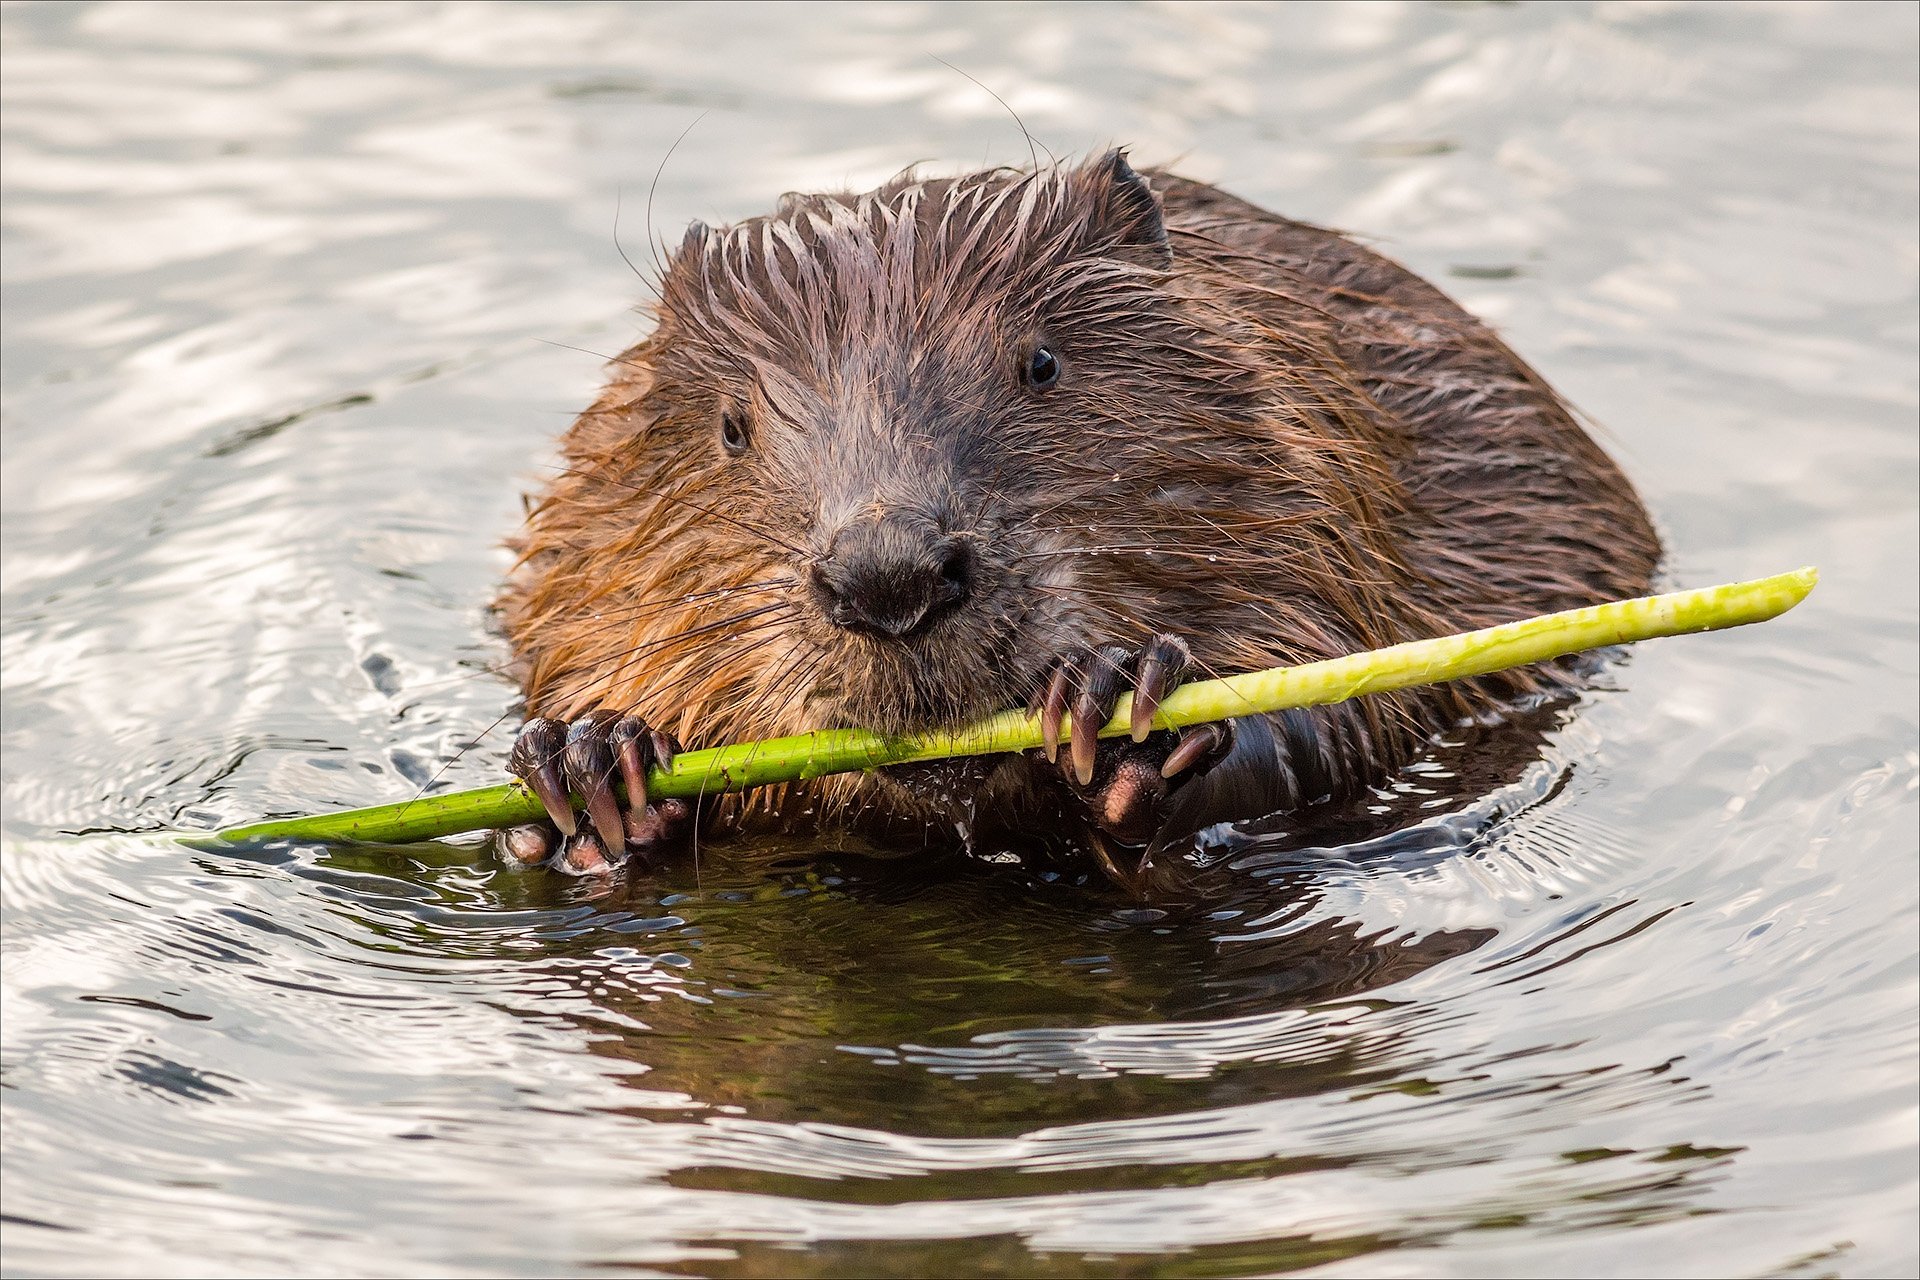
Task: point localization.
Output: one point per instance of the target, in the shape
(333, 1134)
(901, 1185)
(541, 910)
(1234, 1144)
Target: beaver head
(912, 442)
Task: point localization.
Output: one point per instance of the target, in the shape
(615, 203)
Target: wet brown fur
(1267, 439)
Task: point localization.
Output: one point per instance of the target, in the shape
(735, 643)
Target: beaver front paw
(1124, 782)
(558, 761)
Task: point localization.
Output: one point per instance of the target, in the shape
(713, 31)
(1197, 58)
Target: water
(296, 300)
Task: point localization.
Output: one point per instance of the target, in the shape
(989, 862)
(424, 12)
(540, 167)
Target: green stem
(825, 751)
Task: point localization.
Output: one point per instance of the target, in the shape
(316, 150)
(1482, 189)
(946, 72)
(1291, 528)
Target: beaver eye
(1042, 371)
(733, 432)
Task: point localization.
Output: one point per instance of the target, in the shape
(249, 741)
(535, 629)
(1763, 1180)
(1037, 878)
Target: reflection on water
(296, 299)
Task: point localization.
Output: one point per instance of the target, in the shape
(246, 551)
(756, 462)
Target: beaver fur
(1262, 437)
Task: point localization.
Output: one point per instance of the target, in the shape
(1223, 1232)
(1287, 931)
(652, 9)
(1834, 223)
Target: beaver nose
(891, 582)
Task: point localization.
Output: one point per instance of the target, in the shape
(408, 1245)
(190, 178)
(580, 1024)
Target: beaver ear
(1129, 211)
(692, 245)
(692, 250)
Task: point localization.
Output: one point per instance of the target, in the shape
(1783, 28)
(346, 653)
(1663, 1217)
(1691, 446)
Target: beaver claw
(558, 761)
(1090, 679)
(1124, 781)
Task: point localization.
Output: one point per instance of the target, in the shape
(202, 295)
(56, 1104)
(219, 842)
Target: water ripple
(1629, 981)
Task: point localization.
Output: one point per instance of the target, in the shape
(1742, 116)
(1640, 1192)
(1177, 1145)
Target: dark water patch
(137, 1002)
(245, 436)
(166, 1077)
(1498, 271)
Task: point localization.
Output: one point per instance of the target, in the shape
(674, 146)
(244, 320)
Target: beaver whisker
(589, 351)
(679, 638)
(715, 660)
(1123, 624)
(762, 534)
(609, 623)
(634, 610)
(778, 683)
(654, 648)
(796, 683)
(614, 618)
(663, 496)
(1145, 548)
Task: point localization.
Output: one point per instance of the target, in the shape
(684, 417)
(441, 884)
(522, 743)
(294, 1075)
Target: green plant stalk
(826, 751)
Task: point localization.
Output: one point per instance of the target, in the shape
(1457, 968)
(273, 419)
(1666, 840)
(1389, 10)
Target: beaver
(902, 458)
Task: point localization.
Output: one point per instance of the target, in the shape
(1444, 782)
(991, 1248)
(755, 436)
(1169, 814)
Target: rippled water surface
(296, 301)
